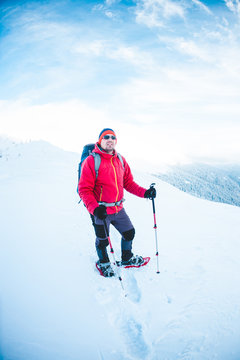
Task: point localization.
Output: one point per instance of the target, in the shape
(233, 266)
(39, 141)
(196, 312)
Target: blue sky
(164, 74)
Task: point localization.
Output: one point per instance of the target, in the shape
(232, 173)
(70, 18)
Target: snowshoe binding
(134, 261)
(105, 269)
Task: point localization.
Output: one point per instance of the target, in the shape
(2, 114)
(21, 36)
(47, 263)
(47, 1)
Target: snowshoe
(105, 269)
(134, 261)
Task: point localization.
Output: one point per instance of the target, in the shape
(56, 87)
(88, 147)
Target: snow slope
(55, 306)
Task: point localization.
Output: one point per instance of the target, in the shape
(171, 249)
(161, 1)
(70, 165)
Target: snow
(55, 306)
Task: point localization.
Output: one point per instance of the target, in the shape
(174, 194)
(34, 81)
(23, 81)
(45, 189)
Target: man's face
(108, 143)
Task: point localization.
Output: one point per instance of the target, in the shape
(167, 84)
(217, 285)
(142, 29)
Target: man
(103, 197)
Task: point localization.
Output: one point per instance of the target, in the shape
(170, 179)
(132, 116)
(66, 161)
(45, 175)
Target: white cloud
(193, 97)
(66, 124)
(109, 14)
(107, 8)
(153, 12)
(94, 48)
(192, 48)
(234, 6)
(114, 51)
(111, 2)
(202, 6)
(131, 55)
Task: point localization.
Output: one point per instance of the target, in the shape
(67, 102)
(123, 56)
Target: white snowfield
(55, 306)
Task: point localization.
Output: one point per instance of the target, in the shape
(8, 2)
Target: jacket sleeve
(87, 183)
(129, 184)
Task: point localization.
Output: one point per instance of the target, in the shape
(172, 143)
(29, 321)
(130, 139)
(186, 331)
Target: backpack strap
(121, 159)
(97, 162)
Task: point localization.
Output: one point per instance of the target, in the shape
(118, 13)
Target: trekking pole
(113, 256)
(155, 227)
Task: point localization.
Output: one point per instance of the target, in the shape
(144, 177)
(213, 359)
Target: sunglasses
(106, 137)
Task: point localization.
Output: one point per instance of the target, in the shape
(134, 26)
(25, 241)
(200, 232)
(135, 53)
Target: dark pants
(123, 224)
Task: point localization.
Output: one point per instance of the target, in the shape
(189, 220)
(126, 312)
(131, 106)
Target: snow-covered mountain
(55, 306)
(215, 183)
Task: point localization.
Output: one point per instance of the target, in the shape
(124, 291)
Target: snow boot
(135, 260)
(105, 269)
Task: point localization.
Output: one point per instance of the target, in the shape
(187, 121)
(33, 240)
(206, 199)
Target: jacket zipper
(100, 199)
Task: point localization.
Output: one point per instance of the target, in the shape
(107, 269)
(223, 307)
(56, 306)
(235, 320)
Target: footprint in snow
(132, 289)
(132, 335)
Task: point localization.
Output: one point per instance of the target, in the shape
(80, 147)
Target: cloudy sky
(165, 74)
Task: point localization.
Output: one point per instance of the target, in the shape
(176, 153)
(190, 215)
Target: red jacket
(109, 185)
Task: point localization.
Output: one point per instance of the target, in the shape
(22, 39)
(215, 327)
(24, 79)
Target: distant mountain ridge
(214, 183)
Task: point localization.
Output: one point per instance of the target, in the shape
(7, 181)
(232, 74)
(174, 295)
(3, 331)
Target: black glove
(150, 193)
(100, 212)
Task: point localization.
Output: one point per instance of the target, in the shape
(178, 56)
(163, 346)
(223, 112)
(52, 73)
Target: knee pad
(100, 231)
(129, 235)
(102, 244)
